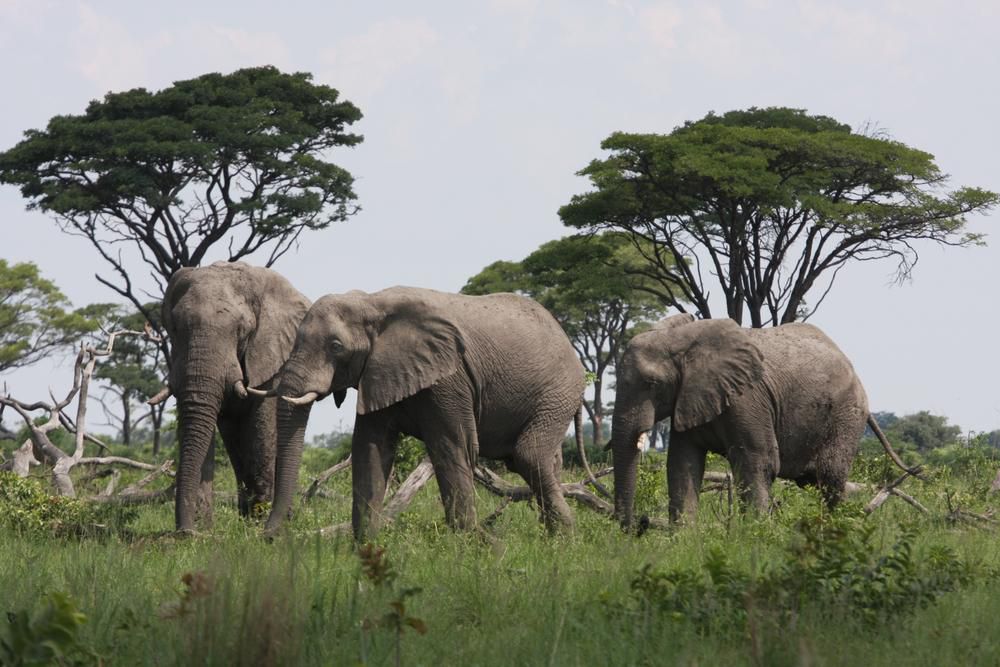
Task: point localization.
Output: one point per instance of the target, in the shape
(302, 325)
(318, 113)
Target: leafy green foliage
(230, 159)
(26, 507)
(134, 372)
(651, 485)
(771, 203)
(832, 567)
(376, 568)
(50, 637)
(923, 431)
(34, 320)
(409, 453)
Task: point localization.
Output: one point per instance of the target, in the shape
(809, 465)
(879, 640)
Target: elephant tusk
(160, 396)
(260, 392)
(240, 389)
(642, 443)
(304, 399)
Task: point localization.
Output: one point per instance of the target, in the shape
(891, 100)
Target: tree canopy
(35, 319)
(235, 160)
(593, 286)
(769, 205)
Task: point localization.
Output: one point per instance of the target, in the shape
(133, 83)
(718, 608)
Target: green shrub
(26, 506)
(409, 453)
(831, 567)
(650, 484)
(50, 637)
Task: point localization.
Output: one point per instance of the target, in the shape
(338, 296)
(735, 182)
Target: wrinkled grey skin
(777, 402)
(227, 322)
(469, 375)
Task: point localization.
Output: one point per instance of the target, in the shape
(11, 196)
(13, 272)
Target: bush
(831, 567)
(26, 506)
(50, 637)
(409, 453)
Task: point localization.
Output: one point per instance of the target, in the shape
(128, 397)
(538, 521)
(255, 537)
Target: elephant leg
(231, 433)
(258, 434)
(447, 421)
(833, 466)
(448, 445)
(537, 458)
(685, 471)
(373, 448)
(754, 471)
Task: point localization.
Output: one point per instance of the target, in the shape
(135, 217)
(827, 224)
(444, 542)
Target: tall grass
(518, 598)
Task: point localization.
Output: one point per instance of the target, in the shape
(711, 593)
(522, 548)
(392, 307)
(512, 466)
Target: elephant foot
(186, 534)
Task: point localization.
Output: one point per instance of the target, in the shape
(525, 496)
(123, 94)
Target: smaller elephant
(777, 402)
(492, 375)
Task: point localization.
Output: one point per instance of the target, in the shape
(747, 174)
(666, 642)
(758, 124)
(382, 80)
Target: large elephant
(777, 402)
(492, 375)
(231, 325)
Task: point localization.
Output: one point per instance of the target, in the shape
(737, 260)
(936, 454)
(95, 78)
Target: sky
(477, 116)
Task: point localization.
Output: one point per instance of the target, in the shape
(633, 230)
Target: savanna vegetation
(768, 203)
(87, 583)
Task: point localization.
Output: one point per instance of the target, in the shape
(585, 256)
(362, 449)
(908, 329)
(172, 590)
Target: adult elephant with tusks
(776, 402)
(231, 325)
(469, 375)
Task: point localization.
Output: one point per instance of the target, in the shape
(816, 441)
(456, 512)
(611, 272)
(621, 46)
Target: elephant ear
(719, 365)
(279, 312)
(677, 320)
(338, 396)
(417, 347)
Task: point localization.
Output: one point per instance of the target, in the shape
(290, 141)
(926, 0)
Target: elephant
(493, 375)
(231, 325)
(776, 402)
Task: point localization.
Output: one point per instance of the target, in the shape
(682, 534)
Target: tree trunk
(597, 415)
(126, 418)
(156, 419)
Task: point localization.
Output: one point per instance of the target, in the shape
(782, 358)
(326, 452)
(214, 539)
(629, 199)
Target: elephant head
(388, 346)
(230, 325)
(684, 369)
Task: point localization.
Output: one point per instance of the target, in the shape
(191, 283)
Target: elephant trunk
(292, 420)
(628, 424)
(197, 413)
(291, 434)
(202, 377)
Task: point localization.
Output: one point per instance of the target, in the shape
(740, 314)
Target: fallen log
(399, 501)
(324, 476)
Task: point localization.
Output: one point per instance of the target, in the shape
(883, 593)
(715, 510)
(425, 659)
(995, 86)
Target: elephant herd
(492, 375)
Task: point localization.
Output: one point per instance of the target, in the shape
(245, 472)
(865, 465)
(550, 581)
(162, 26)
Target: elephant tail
(888, 448)
(581, 450)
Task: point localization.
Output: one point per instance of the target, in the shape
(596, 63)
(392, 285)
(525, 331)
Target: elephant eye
(336, 345)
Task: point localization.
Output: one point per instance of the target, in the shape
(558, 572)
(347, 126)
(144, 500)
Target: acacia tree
(592, 286)
(34, 320)
(133, 373)
(229, 163)
(769, 204)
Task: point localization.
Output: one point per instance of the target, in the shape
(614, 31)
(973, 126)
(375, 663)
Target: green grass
(520, 598)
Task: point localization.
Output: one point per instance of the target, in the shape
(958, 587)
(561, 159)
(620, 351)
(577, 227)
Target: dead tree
(42, 446)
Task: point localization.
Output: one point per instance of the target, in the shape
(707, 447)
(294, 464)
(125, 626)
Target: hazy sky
(478, 115)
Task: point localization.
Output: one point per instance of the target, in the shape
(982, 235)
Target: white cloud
(362, 66)
(108, 54)
(115, 57)
(854, 35)
(660, 22)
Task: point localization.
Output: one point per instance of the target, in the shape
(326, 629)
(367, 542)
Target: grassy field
(799, 587)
